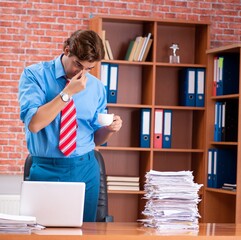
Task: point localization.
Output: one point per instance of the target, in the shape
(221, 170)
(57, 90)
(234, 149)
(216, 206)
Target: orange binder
(158, 128)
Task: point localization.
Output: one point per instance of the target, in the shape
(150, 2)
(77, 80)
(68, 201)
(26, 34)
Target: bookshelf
(223, 205)
(152, 84)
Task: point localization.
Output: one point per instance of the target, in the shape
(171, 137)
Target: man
(47, 88)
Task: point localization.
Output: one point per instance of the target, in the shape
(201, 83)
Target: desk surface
(130, 231)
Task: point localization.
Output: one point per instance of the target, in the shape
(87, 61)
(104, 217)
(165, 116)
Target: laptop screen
(57, 204)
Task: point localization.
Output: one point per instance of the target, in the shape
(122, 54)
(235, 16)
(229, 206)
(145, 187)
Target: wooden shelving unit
(222, 205)
(153, 84)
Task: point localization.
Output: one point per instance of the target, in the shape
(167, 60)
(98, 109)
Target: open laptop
(54, 204)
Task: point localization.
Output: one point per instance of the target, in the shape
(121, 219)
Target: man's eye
(78, 65)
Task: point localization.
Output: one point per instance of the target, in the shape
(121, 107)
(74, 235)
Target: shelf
(126, 192)
(224, 143)
(224, 205)
(153, 84)
(225, 97)
(221, 191)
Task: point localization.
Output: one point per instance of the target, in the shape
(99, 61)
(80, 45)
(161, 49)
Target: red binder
(158, 128)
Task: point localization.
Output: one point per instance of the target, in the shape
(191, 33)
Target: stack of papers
(172, 199)
(18, 224)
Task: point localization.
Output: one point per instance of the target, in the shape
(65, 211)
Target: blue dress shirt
(39, 84)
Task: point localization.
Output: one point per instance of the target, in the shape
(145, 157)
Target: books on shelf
(122, 179)
(107, 47)
(109, 51)
(103, 40)
(138, 49)
(123, 183)
(123, 188)
(229, 186)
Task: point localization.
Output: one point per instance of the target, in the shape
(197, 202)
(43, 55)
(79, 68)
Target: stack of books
(123, 183)
(139, 48)
(229, 186)
(172, 199)
(107, 47)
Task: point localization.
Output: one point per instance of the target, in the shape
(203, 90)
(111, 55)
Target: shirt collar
(59, 69)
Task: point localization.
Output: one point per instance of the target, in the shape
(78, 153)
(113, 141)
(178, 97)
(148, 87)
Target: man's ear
(66, 51)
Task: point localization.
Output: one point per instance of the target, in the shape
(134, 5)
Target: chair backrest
(102, 210)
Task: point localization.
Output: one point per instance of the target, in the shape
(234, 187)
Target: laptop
(54, 204)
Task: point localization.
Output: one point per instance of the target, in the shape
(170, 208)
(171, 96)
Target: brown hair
(86, 45)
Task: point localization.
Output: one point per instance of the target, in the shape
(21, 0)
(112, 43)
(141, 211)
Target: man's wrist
(65, 96)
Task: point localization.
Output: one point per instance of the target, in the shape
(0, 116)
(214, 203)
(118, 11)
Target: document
(171, 200)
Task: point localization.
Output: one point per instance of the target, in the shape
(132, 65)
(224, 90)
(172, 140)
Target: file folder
(210, 168)
(145, 128)
(215, 75)
(104, 75)
(225, 166)
(200, 86)
(218, 122)
(228, 74)
(167, 129)
(219, 90)
(113, 83)
(223, 120)
(187, 88)
(230, 133)
(158, 125)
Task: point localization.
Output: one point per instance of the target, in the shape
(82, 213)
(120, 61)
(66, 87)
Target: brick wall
(34, 30)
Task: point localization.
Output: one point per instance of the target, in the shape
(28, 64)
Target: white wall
(10, 184)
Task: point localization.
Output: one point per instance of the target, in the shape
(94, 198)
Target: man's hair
(86, 45)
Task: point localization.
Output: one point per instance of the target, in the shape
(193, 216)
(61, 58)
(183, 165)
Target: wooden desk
(129, 231)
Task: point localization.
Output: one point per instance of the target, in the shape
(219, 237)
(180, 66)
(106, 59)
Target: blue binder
(104, 75)
(113, 83)
(228, 80)
(225, 166)
(145, 127)
(187, 87)
(200, 87)
(219, 85)
(167, 129)
(218, 122)
(210, 167)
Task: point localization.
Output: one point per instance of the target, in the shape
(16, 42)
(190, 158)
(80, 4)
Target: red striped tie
(68, 126)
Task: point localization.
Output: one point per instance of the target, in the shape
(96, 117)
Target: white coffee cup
(105, 119)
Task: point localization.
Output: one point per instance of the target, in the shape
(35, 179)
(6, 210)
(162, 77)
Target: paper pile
(172, 199)
(18, 224)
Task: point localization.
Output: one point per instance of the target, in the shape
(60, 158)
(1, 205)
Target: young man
(45, 89)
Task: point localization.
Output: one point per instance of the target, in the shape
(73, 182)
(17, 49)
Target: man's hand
(76, 84)
(116, 124)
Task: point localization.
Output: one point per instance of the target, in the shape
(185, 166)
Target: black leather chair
(102, 210)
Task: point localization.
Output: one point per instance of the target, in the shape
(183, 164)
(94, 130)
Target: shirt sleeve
(31, 94)
(101, 107)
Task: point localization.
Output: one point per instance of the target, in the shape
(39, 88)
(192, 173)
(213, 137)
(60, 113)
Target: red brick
(33, 31)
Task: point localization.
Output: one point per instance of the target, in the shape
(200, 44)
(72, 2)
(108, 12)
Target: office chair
(102, 209)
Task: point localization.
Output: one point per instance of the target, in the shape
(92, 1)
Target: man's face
(73, 65)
